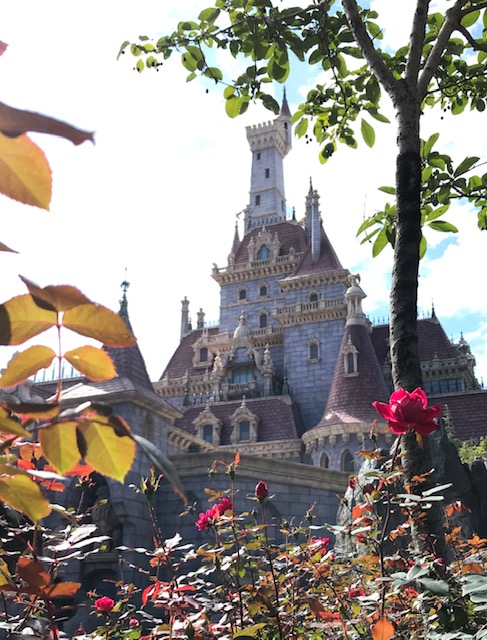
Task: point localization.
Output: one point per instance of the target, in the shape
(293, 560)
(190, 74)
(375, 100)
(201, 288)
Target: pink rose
(206, 519)
(261, 490)
(409, 411)
(104, 604)
(224, 505)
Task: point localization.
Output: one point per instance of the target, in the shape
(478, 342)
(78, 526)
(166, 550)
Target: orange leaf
(33, 573)
(25, 364)
(21, 319)
(55, 297)
(25, 174)
(472, 568)
(62, 589)
(79, 469)
(98, 322)
(93, 363)
(383, 629)
(13, 122)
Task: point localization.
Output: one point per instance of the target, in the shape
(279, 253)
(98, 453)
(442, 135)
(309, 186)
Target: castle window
(350, 359)
(242, 294)
(204, 354)
(285, 125)
(243, 374)
(263, 253)
(258, 156)
(263, 321)
(208, 432)
(267, 173)
(257, 200)
(314, 351)
(263, 291)
(324, 461)
(350, 363)
(347, 462)
(244, 430)
(313, 297)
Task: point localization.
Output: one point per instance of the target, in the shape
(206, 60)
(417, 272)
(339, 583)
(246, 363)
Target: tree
(443, 66)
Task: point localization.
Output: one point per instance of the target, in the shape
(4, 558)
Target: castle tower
(269, 142)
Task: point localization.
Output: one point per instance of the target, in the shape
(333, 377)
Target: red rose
(409, 411)
(361, 538)
(355, 592)
(206, 519)
(261, 490)
(224, 505)
(104, 604)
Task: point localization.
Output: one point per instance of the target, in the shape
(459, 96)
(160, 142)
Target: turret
(184, 317)
(269, 142)
(313, 223)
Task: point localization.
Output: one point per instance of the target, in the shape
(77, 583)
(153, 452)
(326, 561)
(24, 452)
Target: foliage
(469, 450)
(444, 66)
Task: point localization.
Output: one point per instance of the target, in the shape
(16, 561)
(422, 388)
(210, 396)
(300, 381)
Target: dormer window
(244, 425)
(244, 431)
(350, 363)
(208, 432)
(204, 354)
(350, 359)
(263, 253)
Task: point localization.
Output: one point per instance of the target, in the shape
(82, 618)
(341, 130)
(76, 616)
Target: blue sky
(159, 191)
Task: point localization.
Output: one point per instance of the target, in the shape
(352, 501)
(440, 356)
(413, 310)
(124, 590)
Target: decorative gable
(208, 426)
(264, 246)
(244, 425)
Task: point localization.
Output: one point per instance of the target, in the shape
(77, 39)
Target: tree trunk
(406, 369)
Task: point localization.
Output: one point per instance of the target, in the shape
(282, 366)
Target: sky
(154, 200)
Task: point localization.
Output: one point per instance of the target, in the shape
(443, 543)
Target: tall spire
(285, 111)
(123, 302)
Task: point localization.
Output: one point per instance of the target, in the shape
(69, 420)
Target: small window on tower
(257, 200)
(313, 297)
(350, 363)
(267, 173)
(263, 292)
(258, 156)
(263, 321)
(242, 294)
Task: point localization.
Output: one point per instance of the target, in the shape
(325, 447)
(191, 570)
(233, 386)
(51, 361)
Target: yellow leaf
(25, 364)
(11, 426)
(33, 410)
(5, 577)
(93, 363)
(25, 174)
(110, 454)
(23, 494)
(16, 121)
(55, 297)
(21, 319)
(98, 322)
(383, 629)
(59, 445)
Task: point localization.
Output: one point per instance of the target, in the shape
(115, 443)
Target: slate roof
(290, 234)
(468, 412)
(279, 419)
(182, 358)
(328, 260)
(350, 398)
(432, 341)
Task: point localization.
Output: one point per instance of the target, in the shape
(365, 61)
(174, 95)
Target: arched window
(208, 432)
(263, 291)
(243, 374)
(350, 363)
(204, 354)
(347, 462)
(263, 321)
(314, 351)
(313, 297)
(244, 430)
(324, 461)
(263, 253)
(242, 294)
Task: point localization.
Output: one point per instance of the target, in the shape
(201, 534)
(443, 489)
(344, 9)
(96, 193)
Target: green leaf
(380, 242)
(470, 18)
(466, 165)
(368, 133)
(301, 127)
(442, 225)
(25, 364)
(437, 587)
(123, 46)
(140, 65)
(429, 144)
(423, 245)
(10, 426)
(390, 190)
(209, 15)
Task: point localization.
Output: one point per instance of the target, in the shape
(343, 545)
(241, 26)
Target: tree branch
(417, 41)
(452, 22)
(366, 46)
(478, 46)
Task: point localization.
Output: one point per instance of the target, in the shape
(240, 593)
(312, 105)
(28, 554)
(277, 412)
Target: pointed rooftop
(285, 111)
